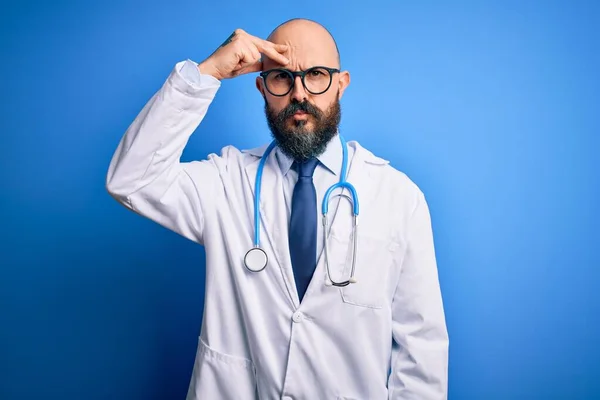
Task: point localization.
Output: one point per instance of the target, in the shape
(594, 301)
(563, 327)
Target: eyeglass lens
(316, 81)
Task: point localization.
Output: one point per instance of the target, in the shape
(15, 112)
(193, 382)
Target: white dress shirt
(384, 337)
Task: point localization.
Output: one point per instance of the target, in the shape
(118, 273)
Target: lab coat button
(298, 317)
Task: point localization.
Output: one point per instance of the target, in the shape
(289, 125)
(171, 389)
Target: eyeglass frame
(301, 74)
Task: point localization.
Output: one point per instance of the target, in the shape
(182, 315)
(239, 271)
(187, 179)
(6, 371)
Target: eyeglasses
(316, 80)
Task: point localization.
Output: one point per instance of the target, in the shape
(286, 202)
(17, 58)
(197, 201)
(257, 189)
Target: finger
(247, 68)
(272, 50)
(266, 43)
(282, 48)
(249, 61)
(255, 67)
(249, 56)
(255, 53)
(275, 56)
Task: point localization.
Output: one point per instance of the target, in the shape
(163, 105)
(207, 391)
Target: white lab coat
(382, 338)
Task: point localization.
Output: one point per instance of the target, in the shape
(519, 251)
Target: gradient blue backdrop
(492, 108)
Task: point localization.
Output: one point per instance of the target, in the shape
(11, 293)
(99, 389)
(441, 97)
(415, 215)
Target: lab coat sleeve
(420, 351)
(145, 173)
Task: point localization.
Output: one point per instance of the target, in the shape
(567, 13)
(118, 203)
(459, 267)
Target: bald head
(309, 43)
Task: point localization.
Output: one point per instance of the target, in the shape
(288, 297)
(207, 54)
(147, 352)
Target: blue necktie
(303, 227)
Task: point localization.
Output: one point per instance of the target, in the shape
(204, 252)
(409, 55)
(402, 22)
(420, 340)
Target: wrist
(206, 68)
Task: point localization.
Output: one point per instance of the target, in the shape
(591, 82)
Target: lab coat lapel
(273, 219)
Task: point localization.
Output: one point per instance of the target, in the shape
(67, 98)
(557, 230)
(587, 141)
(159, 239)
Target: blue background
(492, 108)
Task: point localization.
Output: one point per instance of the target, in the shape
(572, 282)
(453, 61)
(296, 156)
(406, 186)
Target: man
(285, 331)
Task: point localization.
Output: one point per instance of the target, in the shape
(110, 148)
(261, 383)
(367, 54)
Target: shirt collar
(331, 157)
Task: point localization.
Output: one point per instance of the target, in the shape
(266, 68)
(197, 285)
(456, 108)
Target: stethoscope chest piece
(256, 259)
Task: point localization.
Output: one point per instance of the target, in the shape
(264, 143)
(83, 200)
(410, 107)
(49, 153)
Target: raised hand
(241, 54)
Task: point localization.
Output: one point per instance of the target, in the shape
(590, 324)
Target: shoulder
(380, 169)
(231, 156)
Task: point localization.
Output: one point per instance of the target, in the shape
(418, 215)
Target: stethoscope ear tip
(328, 282)
(353, 280)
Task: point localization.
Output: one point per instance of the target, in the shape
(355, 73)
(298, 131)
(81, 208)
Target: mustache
(305, 106)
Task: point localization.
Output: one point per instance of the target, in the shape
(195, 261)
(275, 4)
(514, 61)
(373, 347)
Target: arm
(145, 173)
(420, 352)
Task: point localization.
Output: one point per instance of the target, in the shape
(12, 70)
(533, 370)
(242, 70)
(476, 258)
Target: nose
(298, 93)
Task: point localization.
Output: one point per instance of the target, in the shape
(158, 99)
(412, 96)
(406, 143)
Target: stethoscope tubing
(343, 183)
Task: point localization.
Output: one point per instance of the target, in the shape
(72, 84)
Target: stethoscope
(256, 258)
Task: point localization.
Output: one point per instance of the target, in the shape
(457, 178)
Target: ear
(260, 85)
(343, 82)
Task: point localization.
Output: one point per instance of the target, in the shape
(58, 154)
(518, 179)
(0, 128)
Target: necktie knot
(307, 168)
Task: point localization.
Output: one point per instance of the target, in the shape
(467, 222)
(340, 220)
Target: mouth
(300, 114)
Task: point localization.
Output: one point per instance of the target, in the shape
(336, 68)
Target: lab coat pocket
(374, 256)
(221, 376)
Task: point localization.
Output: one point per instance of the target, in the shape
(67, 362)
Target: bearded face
(302, 130)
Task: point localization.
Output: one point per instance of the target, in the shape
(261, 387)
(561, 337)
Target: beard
(294, 137)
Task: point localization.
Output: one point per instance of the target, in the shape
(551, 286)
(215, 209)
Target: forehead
(308, 46)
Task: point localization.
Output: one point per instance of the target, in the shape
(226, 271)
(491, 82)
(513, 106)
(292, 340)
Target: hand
(241, 54)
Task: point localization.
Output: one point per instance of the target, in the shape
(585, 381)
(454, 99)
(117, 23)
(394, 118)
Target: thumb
(254, 67)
